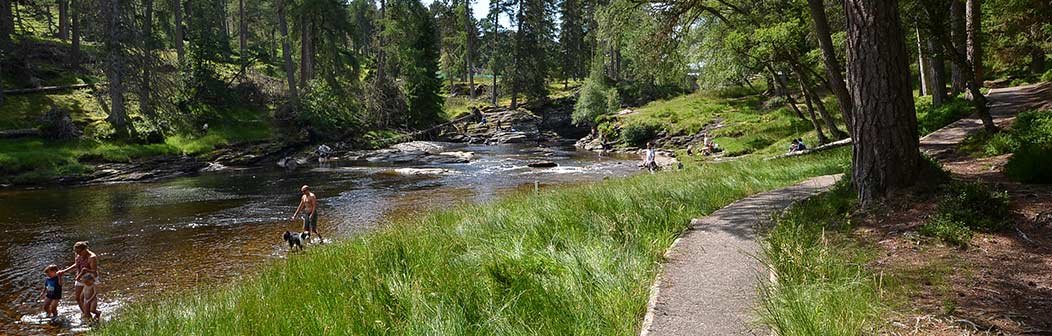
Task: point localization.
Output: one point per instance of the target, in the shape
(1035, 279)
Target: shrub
(930, 118)
(327, 113)
(1031, 164)
(1001, 143)
(1047, 77)
(638, 134)
(974, 205)
(1033, 127)
(948, 230)
(592, 104)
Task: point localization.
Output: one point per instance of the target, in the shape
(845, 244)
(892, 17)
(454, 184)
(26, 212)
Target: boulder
(542, 164)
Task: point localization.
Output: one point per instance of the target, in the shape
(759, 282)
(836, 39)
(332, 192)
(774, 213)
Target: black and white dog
(296, 239)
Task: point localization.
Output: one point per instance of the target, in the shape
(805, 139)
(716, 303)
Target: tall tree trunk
(177, 8)
(63, 19)
(922, 63)
(978, 99)
(381, 53)
(145, 106)
(938, 72)
(74, 16)
(885, 156)
(516, 78)
(468, 35)
(286, 51)
(974, 17)
(808, 91)
(118, 117)
(822, 139)
(242, 40)
(493, 63)
(959, 37)
(783, 88)
(306, 51)
(7, 24)
(833, 69)
(1037, 60)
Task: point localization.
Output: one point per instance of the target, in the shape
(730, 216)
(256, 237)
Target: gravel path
(708, 285)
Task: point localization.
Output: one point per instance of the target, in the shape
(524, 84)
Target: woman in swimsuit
(86, 262)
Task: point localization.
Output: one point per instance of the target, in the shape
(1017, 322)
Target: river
(172, 235)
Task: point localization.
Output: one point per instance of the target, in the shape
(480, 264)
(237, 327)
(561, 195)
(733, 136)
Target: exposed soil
(1001, 284)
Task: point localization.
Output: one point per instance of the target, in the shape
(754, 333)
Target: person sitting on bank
(793, 147)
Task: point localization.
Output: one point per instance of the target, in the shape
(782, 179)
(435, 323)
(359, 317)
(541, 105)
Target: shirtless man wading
(309, 205)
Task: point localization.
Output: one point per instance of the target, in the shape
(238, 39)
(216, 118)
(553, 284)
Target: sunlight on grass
(567, 261)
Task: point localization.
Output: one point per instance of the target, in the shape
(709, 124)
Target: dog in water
(296, 239)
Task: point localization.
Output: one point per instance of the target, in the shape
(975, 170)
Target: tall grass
(570, 261)
(822, 286)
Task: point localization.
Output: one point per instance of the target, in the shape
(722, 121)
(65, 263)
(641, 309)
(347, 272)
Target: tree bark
(978, 99)
(468, 32)
(1037, 60)
(496, 24)
(973, 15)
(959, 38)
(938, 72)
(63, 19)
(808, 91)
(74, 16)
(381, 53)
(177, 9)
(922, 63)
(118, 117)
(286, 51)
(145, 100)
(7, 24)
(306, 51)
(783, 89)
(885, 156)
(516, 69)
(242, 34)
(833, 68)
(822, 139)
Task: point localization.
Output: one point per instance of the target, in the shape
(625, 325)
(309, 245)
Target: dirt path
(708, 286)
(1001, 283)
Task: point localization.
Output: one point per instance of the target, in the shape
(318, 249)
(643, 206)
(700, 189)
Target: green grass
(822, 286)
(24, 161)
(745, 127)
(568, 261)
(931, 118)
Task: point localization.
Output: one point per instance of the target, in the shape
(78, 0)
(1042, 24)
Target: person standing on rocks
(648, 158)
(309, 206)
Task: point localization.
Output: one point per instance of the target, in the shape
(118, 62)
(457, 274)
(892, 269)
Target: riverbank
(567, 261)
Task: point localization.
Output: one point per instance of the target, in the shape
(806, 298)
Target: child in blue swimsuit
(52, 291)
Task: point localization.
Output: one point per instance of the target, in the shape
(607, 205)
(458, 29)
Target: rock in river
(542, 164)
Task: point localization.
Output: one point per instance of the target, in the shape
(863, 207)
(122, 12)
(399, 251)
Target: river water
(212, 228)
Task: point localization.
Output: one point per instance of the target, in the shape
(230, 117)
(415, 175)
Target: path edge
(655, 287)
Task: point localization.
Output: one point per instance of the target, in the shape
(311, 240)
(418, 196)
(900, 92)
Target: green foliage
(570, 261)
(823, 286)
(594, 101)
(328, 113)
(1031, 164)
(414, 51)
(948, 230)
(967, 206)
(1047, 76)
(638, 134)
(930, 119)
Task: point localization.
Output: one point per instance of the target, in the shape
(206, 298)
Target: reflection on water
(153, 237)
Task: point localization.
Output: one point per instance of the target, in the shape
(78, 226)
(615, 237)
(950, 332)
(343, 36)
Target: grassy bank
(576, 260)
(34, 160)
(822, 287)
